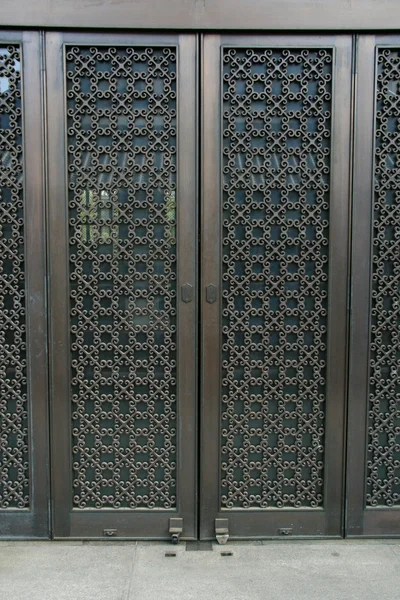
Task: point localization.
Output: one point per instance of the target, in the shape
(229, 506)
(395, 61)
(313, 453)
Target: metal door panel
(23, 359)
(274, 469)
(122, 246)
(373, 446)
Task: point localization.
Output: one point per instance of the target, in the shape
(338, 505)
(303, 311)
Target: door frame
(257, 523)
(256, 15)
(138, 523)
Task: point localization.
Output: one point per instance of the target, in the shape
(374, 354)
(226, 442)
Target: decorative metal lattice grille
(14, 455)
(276, 181)
(121, 106)
(383, 468)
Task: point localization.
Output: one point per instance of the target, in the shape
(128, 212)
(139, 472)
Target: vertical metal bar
(200, 47)
(211, 327)
(360, 285)
(35, 284)
(45, 235)
(187, 269)
(349, 270)
(58, 290)
(338, 277)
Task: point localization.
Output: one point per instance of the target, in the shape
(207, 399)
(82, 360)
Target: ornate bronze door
(374, 390)
(24, 468)
(275, 172)
(122, 222)
(273, 148)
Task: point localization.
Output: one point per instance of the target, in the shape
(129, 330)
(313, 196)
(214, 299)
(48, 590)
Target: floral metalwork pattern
(14, 451)
(276, 185)
(383, 466)
(121, 107)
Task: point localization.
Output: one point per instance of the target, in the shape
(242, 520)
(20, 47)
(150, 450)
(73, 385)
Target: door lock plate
(175, 529)
(221, 530)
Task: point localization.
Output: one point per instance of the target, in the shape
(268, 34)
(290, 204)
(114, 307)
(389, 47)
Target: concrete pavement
(286, 570)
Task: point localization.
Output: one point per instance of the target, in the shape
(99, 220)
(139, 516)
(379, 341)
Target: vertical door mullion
(339, 230)
(211, 276)
(360, 284)
(187, 215)
(35, 257)
(59, 350)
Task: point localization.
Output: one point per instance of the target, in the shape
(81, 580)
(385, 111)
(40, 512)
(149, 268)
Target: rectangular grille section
(121, 107)
(276, 184)
(383, 467)
(14, 455)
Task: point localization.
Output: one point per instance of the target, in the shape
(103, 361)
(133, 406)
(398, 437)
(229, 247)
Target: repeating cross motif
(276, 187)
(383, 466)
(121, 107)
(14, 454)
